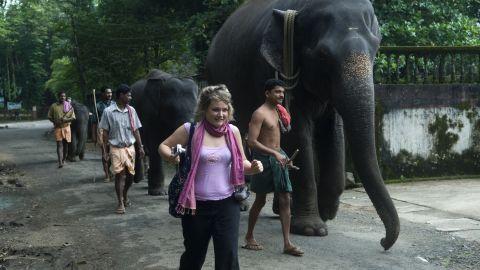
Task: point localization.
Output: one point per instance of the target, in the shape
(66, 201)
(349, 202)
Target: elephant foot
(157, 192)
(137, 178)
(244, 206)
(309, 226)
(328, 210)
(81, 156)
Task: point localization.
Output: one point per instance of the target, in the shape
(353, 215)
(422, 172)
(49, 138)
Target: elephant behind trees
(335, 45)
(163, 103)
(79, 129)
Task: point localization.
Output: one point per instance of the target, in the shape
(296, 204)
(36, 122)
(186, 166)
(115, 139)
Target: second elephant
(163, 103)
(79, 129)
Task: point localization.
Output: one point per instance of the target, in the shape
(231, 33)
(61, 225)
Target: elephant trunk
(355, 102)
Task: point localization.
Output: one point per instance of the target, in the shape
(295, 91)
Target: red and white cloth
(285, 119)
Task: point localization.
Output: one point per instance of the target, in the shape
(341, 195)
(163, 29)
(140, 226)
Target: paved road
(63, 219)
(448, 206)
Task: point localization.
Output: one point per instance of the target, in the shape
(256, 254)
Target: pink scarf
(186, 201)
(130, 117)
(66, 106)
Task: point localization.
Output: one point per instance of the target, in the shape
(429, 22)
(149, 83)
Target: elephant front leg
(156, 184)
(82, 139)
(139, 166)
(72, 147)
(305, 217)
(330, 154)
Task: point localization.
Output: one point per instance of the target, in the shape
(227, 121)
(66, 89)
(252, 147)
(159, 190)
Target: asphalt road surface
(64, 219)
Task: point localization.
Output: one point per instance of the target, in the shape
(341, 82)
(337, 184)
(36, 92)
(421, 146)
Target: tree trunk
(80, 68)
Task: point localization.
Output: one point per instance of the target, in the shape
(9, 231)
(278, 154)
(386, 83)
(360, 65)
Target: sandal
(120, 210)
(294, 251)
(252, 245)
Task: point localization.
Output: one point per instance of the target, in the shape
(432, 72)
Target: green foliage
(23, 51)
(64, 77)
(429, 22)
(404, 164)
(47, 45)
(207, 22)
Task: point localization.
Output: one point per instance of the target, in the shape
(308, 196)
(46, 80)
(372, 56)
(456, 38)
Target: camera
(241, 193)
(177, 150)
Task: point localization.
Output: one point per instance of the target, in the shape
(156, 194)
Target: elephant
(335, 42)
(79, 129)
(163, 103)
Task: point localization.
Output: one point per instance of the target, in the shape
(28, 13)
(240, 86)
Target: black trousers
(213, 219)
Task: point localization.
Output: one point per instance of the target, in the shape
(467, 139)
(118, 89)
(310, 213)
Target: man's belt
(121, 145)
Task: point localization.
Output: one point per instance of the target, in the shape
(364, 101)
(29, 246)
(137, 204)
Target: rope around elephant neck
(291, 79)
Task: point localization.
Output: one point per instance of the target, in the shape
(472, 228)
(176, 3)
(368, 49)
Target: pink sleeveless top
(212, 182)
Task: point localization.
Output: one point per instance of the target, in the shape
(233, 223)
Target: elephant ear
(376, 28)
(272, 42)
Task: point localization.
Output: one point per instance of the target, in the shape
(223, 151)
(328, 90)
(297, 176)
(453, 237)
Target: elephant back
(138, 89)
(156, 74)
(81, 114)
(164, 101)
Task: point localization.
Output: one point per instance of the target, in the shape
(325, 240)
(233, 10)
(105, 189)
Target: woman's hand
(180, 136)
(257, 166)
(173, 159)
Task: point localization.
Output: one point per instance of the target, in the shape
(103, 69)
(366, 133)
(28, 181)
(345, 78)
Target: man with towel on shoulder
(61, 114)
(120, 126)
(267, 123)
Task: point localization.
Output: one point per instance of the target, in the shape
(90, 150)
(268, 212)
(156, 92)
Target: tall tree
(23, 51)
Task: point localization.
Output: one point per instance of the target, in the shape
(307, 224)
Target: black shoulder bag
(178, 180)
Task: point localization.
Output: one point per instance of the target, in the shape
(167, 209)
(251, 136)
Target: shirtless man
(264, 139)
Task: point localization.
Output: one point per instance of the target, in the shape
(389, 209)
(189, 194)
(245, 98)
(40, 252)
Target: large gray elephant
(79, 129)
(335, 42)
(163, 102)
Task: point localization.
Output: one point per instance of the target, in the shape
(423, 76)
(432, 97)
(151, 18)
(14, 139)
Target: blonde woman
(218, 165)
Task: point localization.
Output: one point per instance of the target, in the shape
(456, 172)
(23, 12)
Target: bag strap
(190, 136)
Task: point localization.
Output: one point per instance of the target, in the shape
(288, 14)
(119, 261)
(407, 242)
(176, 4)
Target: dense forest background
(78, 45)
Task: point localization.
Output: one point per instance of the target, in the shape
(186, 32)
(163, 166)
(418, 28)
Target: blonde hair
(213, 93)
